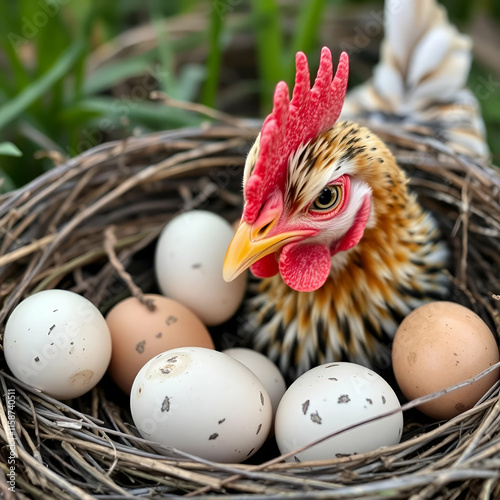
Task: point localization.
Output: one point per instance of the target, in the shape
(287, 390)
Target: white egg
(202, 402)
(188, 264)
(330, 398)
(267, 372)
(58, 342)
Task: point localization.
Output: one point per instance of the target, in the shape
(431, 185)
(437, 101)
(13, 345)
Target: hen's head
(306, 197)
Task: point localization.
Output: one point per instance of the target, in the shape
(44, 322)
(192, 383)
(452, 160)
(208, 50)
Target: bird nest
(89, 225)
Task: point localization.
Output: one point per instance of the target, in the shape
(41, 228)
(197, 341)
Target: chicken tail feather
(422, 76)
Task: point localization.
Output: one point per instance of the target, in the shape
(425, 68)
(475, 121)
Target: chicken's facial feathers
(305, 265)
(292, 124)
(337, 185)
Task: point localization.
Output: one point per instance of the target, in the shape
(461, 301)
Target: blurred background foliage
(74, 74)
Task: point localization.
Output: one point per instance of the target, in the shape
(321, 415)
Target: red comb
(310, 112)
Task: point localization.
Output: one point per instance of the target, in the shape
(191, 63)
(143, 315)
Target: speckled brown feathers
(397, 265)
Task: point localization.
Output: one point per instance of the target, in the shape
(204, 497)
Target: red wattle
(305, 267)
(265, 267)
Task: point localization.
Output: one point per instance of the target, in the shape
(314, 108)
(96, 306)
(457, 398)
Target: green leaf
(18, 77)
(6, 182)
(51, 37)
(138, 113)
(189, 81)
(12, 109)
(9, 149)
(145, 65)
(77, 115)
(165, 50)
(269, 47)
(106, 76)
(306, 32)
(88, 20)
(209, 92)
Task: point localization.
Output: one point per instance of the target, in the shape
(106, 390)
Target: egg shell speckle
(139, 334)
(202, 402)
(188, 265)
(58, 342)
(441, 344)
(330, 398)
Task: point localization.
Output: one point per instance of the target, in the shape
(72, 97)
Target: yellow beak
(250, 244)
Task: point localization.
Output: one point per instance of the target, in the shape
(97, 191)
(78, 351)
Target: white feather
(424, 64)
(429, 54)
(389, 84)
(445, 82)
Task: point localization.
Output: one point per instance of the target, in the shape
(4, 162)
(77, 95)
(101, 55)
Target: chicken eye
(328, 199)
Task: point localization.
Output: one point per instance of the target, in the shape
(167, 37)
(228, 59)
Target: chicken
(342, 249)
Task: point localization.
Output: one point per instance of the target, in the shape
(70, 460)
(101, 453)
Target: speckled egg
(188, 265)
(58, 342)
(439, 345)
(329, 399)
(202, 402)
(139, 333)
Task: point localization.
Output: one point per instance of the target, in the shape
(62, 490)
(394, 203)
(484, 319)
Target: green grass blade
(209, 92)
(30, 94)
(165, 51)
(12, 41)
(144, 64)
(306, 32)
(151, 115)
(189, 81)
(9, 149)
(51, 38)
(6, 182)
(89, 20)
(109, 75)
(269, 48)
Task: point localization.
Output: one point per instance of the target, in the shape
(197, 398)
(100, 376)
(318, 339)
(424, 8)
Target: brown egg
(439, 345)
(138, 334)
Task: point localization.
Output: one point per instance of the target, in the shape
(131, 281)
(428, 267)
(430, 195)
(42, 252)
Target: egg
(58, 342)
(439, 345)
(138, 334)
(329, 398)
(267, 372)
(202, 402)
(188, 265)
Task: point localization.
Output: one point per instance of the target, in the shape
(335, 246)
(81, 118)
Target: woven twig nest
(93, 220)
